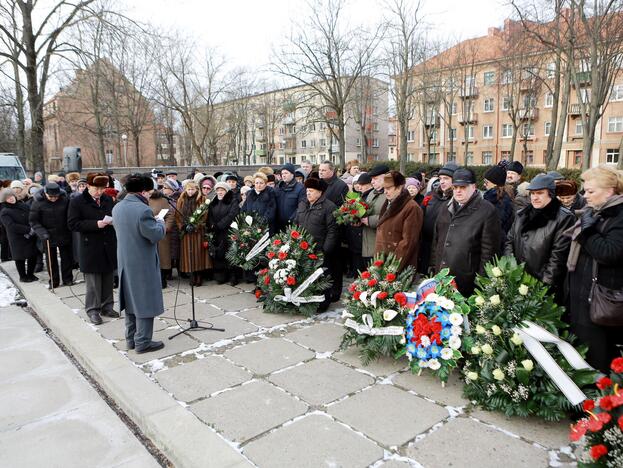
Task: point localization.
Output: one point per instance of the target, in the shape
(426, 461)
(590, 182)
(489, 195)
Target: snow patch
(8, 292)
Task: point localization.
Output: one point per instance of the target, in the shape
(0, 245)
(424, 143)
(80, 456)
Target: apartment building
(487, 100)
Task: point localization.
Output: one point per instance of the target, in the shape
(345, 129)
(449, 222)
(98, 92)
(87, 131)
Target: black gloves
(190, 228)
(588, 220)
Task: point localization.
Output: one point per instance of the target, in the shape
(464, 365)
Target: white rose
(472, 375)
(497, 331)
(432, 297)
(480, 330)
(234, 225)
(516, 339)
(446, 353)
(495, 300)
(523, 290)
(455, 342)
(456, 319)
(248, 220)
(498, 374)
(487, 349)
(449, 305)
(423, 364)
(479, 300)
(496, 272)
(284, 248)
(425, 340)
(403, 340)
(527, 364)
(456, 330)
(389, 315)
(475, 350)
(434, 364)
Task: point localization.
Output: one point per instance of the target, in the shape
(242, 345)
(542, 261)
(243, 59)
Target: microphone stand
(192, 322)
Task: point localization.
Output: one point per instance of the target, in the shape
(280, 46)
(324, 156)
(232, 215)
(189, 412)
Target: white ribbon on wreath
(257, 248)
(533, 335)
(367, 327)
(294, 296)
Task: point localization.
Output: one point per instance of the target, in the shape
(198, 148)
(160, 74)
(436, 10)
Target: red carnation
(350, 202)
(372, 283)
(594, 425)
(604, 383)
(258, 293)
(604, 417)
(390, 277)
(234, 237)
(598, 451)
(356, 295)
(617, 365)
(270, 254)
(620, 422)
(352, 287)
(263, 272)
(605, 403)
(588, 405)
(205, 244)
(266, 280)
(400, 298)
(313, 256)
(353, 212)
(382, 295)
(295, 234)
(304, 245)
(344, 208)
(379, 263)
(291, 281)
(365, 275)
(277, 242)
(282, 255)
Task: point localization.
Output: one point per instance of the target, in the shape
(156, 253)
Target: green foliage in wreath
(244, 233)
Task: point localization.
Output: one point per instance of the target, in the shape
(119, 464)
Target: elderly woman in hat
(400, 222)
(21, 237)
(194, 255)
(90, 214)
(223, 210)
(567, 193)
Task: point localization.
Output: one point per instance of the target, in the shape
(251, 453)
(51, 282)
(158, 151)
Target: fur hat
(72, 177)
(95, 179)
(515, 166)
(136, 183)
(5, 194)
(394, 179)
(266, 170)
(223, 185)
(260, 175)
(198, 176)
(209, 179)
(566, 188)
(17, 184)
(316, 184)
(52, 178)
(248, 178)
(245, 189)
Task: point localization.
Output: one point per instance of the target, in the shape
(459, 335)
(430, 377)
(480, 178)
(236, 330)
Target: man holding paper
(90, 214)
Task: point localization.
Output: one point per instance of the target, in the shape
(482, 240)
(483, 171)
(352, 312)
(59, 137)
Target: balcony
(472, 117)
(575, 110)
(584, 78)
(431, 121)
(260, 153)
(528, 114)
(289, 120)
(290, 150)
(469, 93)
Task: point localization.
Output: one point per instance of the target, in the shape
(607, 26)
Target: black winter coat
(98, 247)
(265, 204)
(49, 220)
(537, 239)
(465, 239)
(288, 198)
(336, 190)
(14, 218)
(319, 221)
(506, 211)
(431, 206)
(221, 214)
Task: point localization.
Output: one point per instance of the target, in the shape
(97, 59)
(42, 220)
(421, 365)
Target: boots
(163, 279)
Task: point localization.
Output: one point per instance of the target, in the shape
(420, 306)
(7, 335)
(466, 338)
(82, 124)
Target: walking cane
(50, 267)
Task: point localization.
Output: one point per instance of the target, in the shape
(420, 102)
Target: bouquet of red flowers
(353, 209)
(602, 430)
(294, 281)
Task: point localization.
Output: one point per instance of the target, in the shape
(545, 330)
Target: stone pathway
(49, 414)
(280, 390)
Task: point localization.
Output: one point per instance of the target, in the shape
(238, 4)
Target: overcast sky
(245, 30)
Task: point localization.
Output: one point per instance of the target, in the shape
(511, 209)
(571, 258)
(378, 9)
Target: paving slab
(34, 355)
(313, 441)
(396, 464)
(235, 302)
(200, 378)
(74, 302)
(177, 345)
(172, 298)
(258, 317)
(233, 326)
(381, 367)
(321, 337)
(268, 355)
(549, 434)
(465, 442)
(429, 386)
(213, 290)
(114, 329)
(249, 410)
(321, 381)
(387, 414)
(182, 312)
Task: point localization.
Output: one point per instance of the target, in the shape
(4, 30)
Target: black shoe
(110, 313)
(38, 268)
(233, 281)
(95, 318)
(153, 346)
(68, 283)
(25, 279)
(32, 278)
(129, 344)
(55, 285)
(115, 282)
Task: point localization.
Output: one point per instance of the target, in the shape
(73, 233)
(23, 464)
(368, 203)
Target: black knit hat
(317, 184)
(364, 179)
(448, 169)
(378, 170)
(515, 166)
(496, 175)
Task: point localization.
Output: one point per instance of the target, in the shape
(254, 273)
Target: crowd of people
(569, 237)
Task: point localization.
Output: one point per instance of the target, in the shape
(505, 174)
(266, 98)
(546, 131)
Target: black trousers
(26, 269)
(334, 262)
(67, 263)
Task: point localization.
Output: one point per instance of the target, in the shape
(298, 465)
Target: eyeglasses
(206, 188)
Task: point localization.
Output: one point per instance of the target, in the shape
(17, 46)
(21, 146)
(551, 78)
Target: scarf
(575, 230)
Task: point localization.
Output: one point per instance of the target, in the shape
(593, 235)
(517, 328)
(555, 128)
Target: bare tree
(328, 59)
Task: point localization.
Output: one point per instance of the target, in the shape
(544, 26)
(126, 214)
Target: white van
(10, 167)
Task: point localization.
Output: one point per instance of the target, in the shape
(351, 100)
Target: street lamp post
(124, 138)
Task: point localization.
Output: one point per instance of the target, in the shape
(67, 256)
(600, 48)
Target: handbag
(606, 305)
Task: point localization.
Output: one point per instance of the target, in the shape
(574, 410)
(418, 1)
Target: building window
(617, 93)
(577, 158)
(487, 131)
(507, 131)
(292, 159)
(312, 143)
(375, 126)
(489, 105)
(548, 128)
(579, 127)
(411, 135)
(358, 141)
(470, 132)
(529, 101)
(282, 130)
(612, 156)
(303, 143)
(452, 157)
(506, 103)
(505, 155)
(507, 77)
(453, 108)
(432, 158)
(109, 156)
(529, 157)
(615, 124)
(433, 136)
(469, 158)
(487, 157)
(323, 142)
(489, 78)
(527, 130)
(375, 142)
(452, 135)
(549, 100)
(282, 145)
(551, 69)
(585, 94)
(409, 156)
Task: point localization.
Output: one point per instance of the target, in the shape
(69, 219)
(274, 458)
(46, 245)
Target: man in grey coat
(375, 200)
(138, 234)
